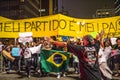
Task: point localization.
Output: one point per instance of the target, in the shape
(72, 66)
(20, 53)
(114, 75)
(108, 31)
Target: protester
(88, 56)
(46, 45)
(117, 57)
(104, 54)
(27, 58)
(9, 63)
(35, 50)
(1, 46)
(16, 52)
(76, 64)
(59, 47)
(85, 53)
(34, 55)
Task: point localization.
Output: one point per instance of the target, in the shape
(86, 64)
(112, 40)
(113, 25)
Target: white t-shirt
(36, 49)
(104, 53)
(27, 53)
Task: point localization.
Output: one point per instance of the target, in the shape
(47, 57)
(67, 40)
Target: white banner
(25, 37)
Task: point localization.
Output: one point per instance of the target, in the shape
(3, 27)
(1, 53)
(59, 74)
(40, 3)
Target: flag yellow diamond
(57, 59)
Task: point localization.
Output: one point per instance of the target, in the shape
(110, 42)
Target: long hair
(107, 40)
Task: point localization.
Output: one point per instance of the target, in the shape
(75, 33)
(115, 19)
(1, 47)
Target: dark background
(85, 8)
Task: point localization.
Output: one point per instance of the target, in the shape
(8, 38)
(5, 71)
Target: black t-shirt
(88, 60)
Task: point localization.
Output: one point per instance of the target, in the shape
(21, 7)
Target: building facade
(22, 9)
(103, 13)
(117, 7)
(19, 9)
(9, 8)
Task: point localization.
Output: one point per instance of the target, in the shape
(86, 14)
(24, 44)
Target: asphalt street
(22, 76)
(13, 75)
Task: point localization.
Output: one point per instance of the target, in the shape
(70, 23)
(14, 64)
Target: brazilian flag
(54, 61)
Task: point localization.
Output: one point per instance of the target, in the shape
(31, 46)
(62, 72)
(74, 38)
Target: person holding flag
(58, 47)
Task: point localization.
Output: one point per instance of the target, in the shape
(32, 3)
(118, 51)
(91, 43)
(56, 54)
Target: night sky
(85, 8)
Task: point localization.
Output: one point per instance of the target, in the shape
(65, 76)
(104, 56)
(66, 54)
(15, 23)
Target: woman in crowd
(117, 57)
(104, 53)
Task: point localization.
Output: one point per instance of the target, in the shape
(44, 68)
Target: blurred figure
(104, 53)
(9, 63)
(1, 46)
(27, 58)
(117, 58)
(34, 55)
(76, 64)
(60, 47)
(16, 52)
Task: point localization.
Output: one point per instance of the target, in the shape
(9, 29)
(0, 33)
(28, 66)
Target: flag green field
(54, 61)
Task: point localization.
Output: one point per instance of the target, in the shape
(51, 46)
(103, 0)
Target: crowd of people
(92, 58)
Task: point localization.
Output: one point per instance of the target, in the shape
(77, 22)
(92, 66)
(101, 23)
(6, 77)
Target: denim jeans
(17, 63)
(35, 58)
(9, 65)
(28, 65)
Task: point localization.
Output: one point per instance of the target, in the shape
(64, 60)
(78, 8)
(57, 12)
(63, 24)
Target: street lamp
(40, 8)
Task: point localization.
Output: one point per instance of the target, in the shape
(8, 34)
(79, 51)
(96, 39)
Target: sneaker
(28, 76)
(116, 75)
(64, 75)
(8, 72)
(58, 76)
(76, 72)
